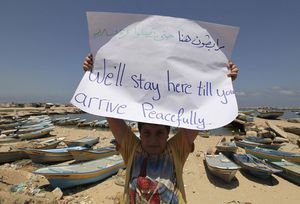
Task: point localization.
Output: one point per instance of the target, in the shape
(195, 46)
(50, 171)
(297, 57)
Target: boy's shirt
(154, 179)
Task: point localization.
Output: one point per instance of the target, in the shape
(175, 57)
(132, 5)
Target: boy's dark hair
(140, 125)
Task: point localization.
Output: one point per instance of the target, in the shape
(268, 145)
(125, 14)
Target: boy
(154, 164)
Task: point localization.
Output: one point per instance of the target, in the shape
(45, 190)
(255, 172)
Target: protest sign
(159, 69)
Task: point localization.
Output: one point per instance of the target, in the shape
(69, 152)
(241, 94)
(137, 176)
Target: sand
(201, 186)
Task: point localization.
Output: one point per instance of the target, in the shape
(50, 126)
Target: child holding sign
(154, 164)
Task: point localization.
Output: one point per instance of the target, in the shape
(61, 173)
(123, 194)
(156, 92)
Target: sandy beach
(200, 185)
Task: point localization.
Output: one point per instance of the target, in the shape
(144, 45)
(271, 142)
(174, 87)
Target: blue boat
(251, 145)
(274, 155)
(255, 166)
(83, 173)
(290, 171)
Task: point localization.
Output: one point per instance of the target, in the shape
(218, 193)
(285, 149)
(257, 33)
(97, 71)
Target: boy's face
(154, 138)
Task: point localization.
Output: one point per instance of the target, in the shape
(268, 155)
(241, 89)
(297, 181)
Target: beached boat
(92, 154)
(269, 114)
(249, 144)
(51, 155)
(72, 121)
(36, 134)
(101, 124)
(290, 171)
(13, 153)
(220, 166)
(274, 155)
(259, 139)
(87, 123)
(87, 141)
(226, 147)
(255, 166)
(83, 173)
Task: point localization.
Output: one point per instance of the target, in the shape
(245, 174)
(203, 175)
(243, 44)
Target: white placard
(159, 69)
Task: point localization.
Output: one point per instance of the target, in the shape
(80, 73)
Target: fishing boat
(259, 139)
(89, 154)
(83, 173)
(51, 155)
(220, 166)
(249, 144)
(13, 153)
(70, 121)
(101, 124)
(255, 166)
(274, 155)
(87, 141)
(290, 171)
(36, 134)
(87, 123)
(269, 113)
(226, 147)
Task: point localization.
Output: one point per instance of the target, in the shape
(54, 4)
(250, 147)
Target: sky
(43, 44)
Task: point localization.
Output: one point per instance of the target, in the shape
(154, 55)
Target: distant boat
(249, 144)
(220, 166)
(255, 166)
(259, 139)
(226, 147)
(274, 155)
(87, 123)
(51, 155)
(290, 171)
(18, 153)
(87, 141)
(92, 154)
(101, 124)
(72, 121)
(269, 113)
(83, 173)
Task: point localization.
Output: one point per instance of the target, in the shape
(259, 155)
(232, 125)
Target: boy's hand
(88, 63)
(233, 70)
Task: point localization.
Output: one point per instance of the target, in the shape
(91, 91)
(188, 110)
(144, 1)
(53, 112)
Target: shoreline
(200, 185)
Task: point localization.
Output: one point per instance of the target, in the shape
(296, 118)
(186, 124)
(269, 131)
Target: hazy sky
(43, 43)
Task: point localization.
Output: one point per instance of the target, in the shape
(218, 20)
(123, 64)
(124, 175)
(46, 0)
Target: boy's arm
(189, 134)
(118, 127)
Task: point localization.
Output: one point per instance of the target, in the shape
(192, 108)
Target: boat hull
(275, 156)
(83, 173)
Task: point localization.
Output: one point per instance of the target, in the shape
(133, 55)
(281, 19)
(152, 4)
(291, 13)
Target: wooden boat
(290, 171)
(292, 129)
(83, 173)
(259, 139)
(14, 153)
(87, 155)
(51, 155)
(220, 166)
(101, 124)
(87, 141)
(36, 134)
(247, 112)
(249, 144)
(87, 123)
(274, 155)
(269, 114)
(226, 147)
(72, 121)
(255, 166)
